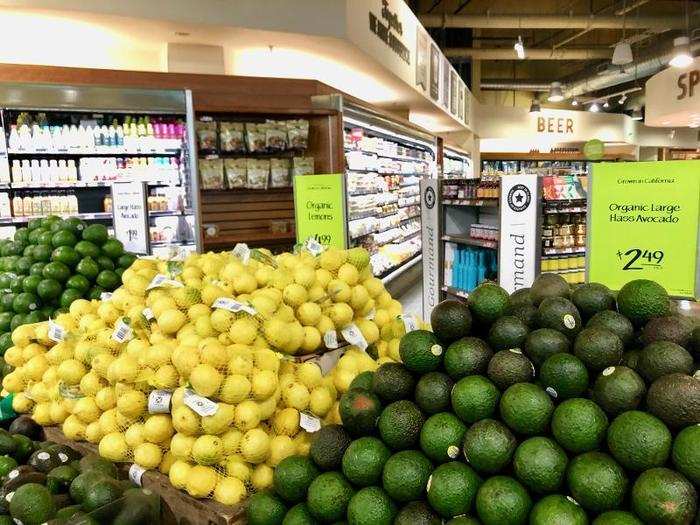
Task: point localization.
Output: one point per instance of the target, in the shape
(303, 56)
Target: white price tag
(372, 313)
(148, 314)
(105, 296)
(159, 401)
(409, 322)
(201, 405)
(136, 472)
(327, 361)
(313, 246)
(234, 306)
(56, 332)
(330, 339)
(309, 423)
(122, 332)
(242, 251)
(352, 335)
(163, 281)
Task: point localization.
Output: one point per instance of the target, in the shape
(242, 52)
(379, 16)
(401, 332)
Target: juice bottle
(17, 206)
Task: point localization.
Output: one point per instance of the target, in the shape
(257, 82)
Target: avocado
(7, 444)
(65, 453)
(507, 332)
(24, 448)
(82, 482)
(641, 300)
(540, 463)
(579, 425)
(526, 312)
(363, 380)
(101, 499)
(264, 508)
(32, 504)
(467, 356)
(630, 359)
(618, 389)
(441, 437)
(543, 343)
(450, 321)
(400, 424)
(639, 441)
(406, 475)
(474, 398)
(393, 381)
(488, 446)
(363, 461)
(58, 480)
(660, 495)
(44, 460)
(591, 298)
(686, 453)
(616, 323)
(559, 314)
(520, 296)
(452, 489)
(508, 367)
(359, 410)
(548, 285)
(26, 426)
(694, 344)
(95, 462)
(371, 505)
(67, 512)
(417, 513)
(501, 500)
(617, 517)
(675, 399)
(526, 408)
(432, 393)
(487, 303)
(556, 508)
(661, 358)
(596, 481)
(598, 348)
(420, 351)
(329, 496)
(564, 376)
(21, 475)
(328, 446)
(675, 328)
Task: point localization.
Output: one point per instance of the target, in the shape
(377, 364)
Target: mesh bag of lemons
(211, 370)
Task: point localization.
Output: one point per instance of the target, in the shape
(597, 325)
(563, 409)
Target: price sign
(309, 423)
(352, 335)
(136, 473)
(122, 332)
(319, 209)
(234, 306)
(330, 339)
(643, 224)
(242, 251)
(159, 401)
(163, 281)
(56, 332)
(130, 216)
(201, 405)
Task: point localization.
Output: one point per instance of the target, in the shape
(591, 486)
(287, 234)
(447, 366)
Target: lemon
(22, 335)
(309, 374)
(296, 395)
(161, 304)
(312, 340)
(107, 312)
(108, 421)
(264, 384)
(302, 441)
(348, 274)
(305, 275)
(201, 481)
(181, 445)
(198, 310)
(186, 296)
(105, 398)
(86, 409)
(50, 376)
(383, 299)
(255, 445)
(171, 320)
(35, 367)
(266, 359)
(342, 379)
(320, 401)
(148, 455)
(325, 324)
(381, 317)
(203, 326)
(229, 491)
(331, 259)
(220, 421)
(134, 435)
(123, 369)
(394, 350)
(221, 320)
(309, 314)
(185, 421)
(93, 432)
(72, 427)
(244, 283)
(13, 356)
(339, 291)
(113, 447)
(178, 474)
(21, 403)
(280, 279)
(158, 428)
(369, 330)
(157, 354)
(91, 383)
(185, 358)
(215, 354)
(205, 380)
(235, 389)
(263, 275)
(359, 298)
(294, 295)
(207, 450)
(230, 441)
(286, 422)
(101, 363)
(280, 447)
(262, 477)
(135, 284)
(39, 392)
(341, 314)
(317, 294)
(243, 331)
(166, 463)
(70, 372)
(211, 293)
(237, 467)
(276, 332)
(247, 415)
(165, 377)
(59, 412)
(132, 404)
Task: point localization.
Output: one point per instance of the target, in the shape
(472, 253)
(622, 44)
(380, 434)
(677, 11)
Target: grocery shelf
(170, 213)
(455, 291)
(75, 184)
(402, 267)
(165, 244)
(410, 217)
(470, 241)
(568, 270)
(387, 156)
(85, 216)
(574, 209)
(471, 202)
(97, 153)
(563, 251)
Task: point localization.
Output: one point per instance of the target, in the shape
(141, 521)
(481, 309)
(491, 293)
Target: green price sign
(594, 149)
(643, 224)
(318, 208)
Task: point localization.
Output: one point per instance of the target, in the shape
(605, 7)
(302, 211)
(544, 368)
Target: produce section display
(212, 370)
(51, 263)
(555, 405)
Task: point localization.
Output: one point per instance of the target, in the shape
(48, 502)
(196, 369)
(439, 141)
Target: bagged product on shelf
(206, 135)
(236, 175)
(212, 174)
(255, 137)
(298, 134)
(302, 166)
(231, 137)
(275, 135)
(258, 173)
(279, 173)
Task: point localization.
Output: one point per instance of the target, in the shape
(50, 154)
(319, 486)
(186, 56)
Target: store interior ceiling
(571, 42)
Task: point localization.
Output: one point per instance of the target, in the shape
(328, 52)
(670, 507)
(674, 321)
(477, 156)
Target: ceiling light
(606, 105)
(574, 102)
(623, 99)
(594, 108)
(555, 94)
(681, 52)
(622, 54)
(535, 106)
(636, 114)
(519, 48)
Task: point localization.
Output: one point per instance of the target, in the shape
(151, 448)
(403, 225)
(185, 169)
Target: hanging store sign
(643, 219)
(673, 97)
(319, 209)
(130, 216)
(430, 241)
(520, 244)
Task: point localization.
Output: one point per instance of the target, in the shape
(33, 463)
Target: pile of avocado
(51, 263)
(46, 483)
(550, 406)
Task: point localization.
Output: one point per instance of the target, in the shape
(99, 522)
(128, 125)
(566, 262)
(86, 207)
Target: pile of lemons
(208, 370)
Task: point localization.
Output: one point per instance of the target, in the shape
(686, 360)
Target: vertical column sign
(130, 216)
(430, 242)
(643, 224)
(519, 243)
(319, 209)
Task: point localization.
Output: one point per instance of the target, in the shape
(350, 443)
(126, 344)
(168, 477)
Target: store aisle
(412, 299)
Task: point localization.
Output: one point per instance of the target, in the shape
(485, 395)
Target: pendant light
(519, 48)
(623, 99)
(574, 102)
(555, 94)
(595, 108)
(681, 52)
(535, 106)
(606, 105)
(622, 55)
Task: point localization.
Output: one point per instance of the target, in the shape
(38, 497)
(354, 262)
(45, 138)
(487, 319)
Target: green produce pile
(551, 406)
(44, 482)
(51, 263)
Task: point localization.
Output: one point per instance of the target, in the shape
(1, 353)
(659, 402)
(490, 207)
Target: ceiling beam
(507, 53)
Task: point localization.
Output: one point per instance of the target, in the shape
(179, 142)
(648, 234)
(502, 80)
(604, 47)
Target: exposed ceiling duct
(507, 53)
(514, 85)
(664, 23)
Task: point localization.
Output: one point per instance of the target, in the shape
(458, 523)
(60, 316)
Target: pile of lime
(51, 263)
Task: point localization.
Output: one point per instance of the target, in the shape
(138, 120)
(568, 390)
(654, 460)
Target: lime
(119, 271)
(13, 248)
(25, 302)
(28, 251)
(87, 249)
(47, 311)
(88, 267)
(96, 233)
(16, 284)
(37, 268)
(45, 238)
(113, 248)
(35, 317)
(17, 320)
(47, 221)
(6, 302)
(22, 265)
(22, 234)
(34, 235)
(108, 280)
(41, 253)
(95, 292)
(74, 224)
(63, 238)
(5, 278)
(5, 320)
(126, 260)
(48, 289)
(79, 282)
(34, 224)
(67, 255)
(30, 283)
(104, 262)
(5, 343)
(68, 296)
(57, 270)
